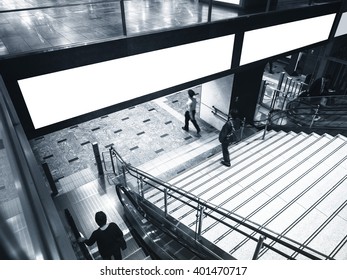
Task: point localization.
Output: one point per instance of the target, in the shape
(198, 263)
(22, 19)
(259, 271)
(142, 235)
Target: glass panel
(12, 214)
(59, 26)
(45, 25)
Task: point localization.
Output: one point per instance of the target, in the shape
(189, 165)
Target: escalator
(312, 114)
(134, 251)
(162, 237)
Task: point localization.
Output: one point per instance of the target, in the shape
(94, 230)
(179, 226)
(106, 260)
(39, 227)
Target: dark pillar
(98, 158)
(123, 17)
(50, 179)
(246, 89)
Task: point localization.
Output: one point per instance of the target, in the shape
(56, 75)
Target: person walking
(108, 237)
(190, 112)
(226, 137)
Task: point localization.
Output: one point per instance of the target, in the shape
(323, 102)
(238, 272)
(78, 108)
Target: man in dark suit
(226, 137)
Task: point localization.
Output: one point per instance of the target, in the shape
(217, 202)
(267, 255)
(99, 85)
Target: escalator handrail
(153, 220)
(316, 110)
(77, 235)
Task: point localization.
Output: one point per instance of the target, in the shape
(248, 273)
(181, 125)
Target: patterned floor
(139, 134)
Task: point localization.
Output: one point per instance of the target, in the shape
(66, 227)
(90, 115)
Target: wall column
(246, 89)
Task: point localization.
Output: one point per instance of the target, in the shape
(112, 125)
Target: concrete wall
(215, 93)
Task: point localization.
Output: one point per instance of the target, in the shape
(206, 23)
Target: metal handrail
(175, 193)
(76, 233)
(219, 113)
(309, 106)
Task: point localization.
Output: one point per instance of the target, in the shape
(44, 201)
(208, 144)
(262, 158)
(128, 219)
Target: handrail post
(280, 80)
(141, 187)
(314, 116)
(242, 128)
(296, 90)
(165, 201)
(123, 17)
(274, 99)
(284, 100)
(259, 246)
(199, 216)
(113, 168)
(290, 84)
(124, 178)
(266, 125)
(285, 85)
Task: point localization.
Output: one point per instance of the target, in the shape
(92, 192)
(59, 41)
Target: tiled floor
(138, 133)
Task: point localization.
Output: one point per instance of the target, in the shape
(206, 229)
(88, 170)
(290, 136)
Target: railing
(219, 113)
(155, 226)
(279, 93)
(317, 112)
(140, 182)
(326, 113)
(76, 233)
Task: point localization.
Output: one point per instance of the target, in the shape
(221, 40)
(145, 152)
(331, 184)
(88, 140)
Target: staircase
(291, 184)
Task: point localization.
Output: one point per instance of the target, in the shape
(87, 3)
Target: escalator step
(138, 254)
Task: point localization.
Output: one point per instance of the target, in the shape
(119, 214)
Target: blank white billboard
(62, 95)
(236, 2)
(269, 41)
(342, 27)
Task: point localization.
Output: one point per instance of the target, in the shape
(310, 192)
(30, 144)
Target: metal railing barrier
(309, 113)
(205, 209)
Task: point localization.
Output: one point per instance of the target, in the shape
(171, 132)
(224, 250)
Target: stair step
(196, 174)
(185, 152)
(286, 179)
(286, 218)
(204, 183)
